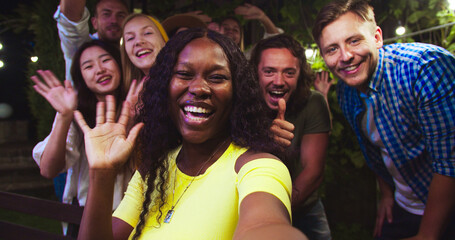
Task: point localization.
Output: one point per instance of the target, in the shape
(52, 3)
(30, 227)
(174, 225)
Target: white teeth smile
(193, 109)
(196, 113)
(277, 92)
(104, 79)
(143, 52)
(350, 68)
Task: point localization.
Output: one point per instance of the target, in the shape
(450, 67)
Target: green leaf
(337, 129)
(397, 12)
(432, 4)
(451, 36)
(357, 159)
(416, 16)
(413, 5)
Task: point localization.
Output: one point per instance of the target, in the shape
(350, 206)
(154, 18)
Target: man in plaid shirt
(400, 101)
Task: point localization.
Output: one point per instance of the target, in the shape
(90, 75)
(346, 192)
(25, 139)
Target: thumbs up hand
(282, 129)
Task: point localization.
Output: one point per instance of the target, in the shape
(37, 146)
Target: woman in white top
(96, 72)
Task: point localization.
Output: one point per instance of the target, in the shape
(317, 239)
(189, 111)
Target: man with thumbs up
(301, 125)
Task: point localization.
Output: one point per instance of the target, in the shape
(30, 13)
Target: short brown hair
(123, 2)
(332, 11)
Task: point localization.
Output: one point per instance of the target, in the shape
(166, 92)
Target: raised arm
(72, 9)
(249, 11)
(264, 190)
(201, 15)
(108, 148)
(64, 100)
(73, 29)
(263, 216)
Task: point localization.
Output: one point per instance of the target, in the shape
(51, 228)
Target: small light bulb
(309, 53)
(400, 30)
(451, 4)
(2, 64)
(1, 46)
(34, 59)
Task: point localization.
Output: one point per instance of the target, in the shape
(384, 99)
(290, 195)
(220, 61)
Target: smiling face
(143, 41)
(231, 29)
(100, 71)
(200, 92)
(278, 72)
(350, 48)
(108, 19)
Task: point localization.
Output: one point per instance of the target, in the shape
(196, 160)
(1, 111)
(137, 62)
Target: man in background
(73, 17)
(301, 127)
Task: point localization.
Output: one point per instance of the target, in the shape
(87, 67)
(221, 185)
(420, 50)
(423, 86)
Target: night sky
(15, 54)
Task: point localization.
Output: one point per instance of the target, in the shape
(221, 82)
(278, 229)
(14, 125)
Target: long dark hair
(86, 99)
(306, 76)
(248, 124)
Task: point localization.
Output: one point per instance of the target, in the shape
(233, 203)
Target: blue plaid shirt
(413, 99)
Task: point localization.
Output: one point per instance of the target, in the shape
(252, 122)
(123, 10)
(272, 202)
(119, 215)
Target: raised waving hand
(63, 98)
(249, 11)
(199, 14)
(133, 95)
(322, 83)
(107, 145)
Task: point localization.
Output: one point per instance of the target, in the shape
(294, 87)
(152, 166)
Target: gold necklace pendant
(170, 213)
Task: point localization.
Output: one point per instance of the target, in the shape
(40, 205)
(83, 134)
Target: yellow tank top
(209, 208)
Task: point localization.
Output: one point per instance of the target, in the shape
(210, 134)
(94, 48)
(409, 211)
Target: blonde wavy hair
(129, 70)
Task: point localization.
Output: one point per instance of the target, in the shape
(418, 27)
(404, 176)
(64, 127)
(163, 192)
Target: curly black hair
(306, 77)
(248, 123)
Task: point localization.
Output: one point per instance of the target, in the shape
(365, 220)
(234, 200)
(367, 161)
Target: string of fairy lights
(3, 61)
(401, 30)
(310, 52)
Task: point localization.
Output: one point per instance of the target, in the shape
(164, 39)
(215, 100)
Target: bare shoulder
(251, 155)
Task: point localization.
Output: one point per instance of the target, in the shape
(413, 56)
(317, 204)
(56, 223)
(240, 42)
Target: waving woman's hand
(62, 98)
(133, 95)
(322, 83)
(107, 145)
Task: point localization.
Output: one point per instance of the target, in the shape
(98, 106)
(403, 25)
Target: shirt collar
(95, 36)
(376, 78)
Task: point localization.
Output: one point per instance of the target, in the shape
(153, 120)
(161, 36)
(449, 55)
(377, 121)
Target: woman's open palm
(62, 98)
(107, 145)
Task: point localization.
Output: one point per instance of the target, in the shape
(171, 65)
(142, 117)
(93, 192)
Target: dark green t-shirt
(314, 117)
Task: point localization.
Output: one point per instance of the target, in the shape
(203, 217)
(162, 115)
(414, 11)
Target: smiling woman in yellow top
(204, 173)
